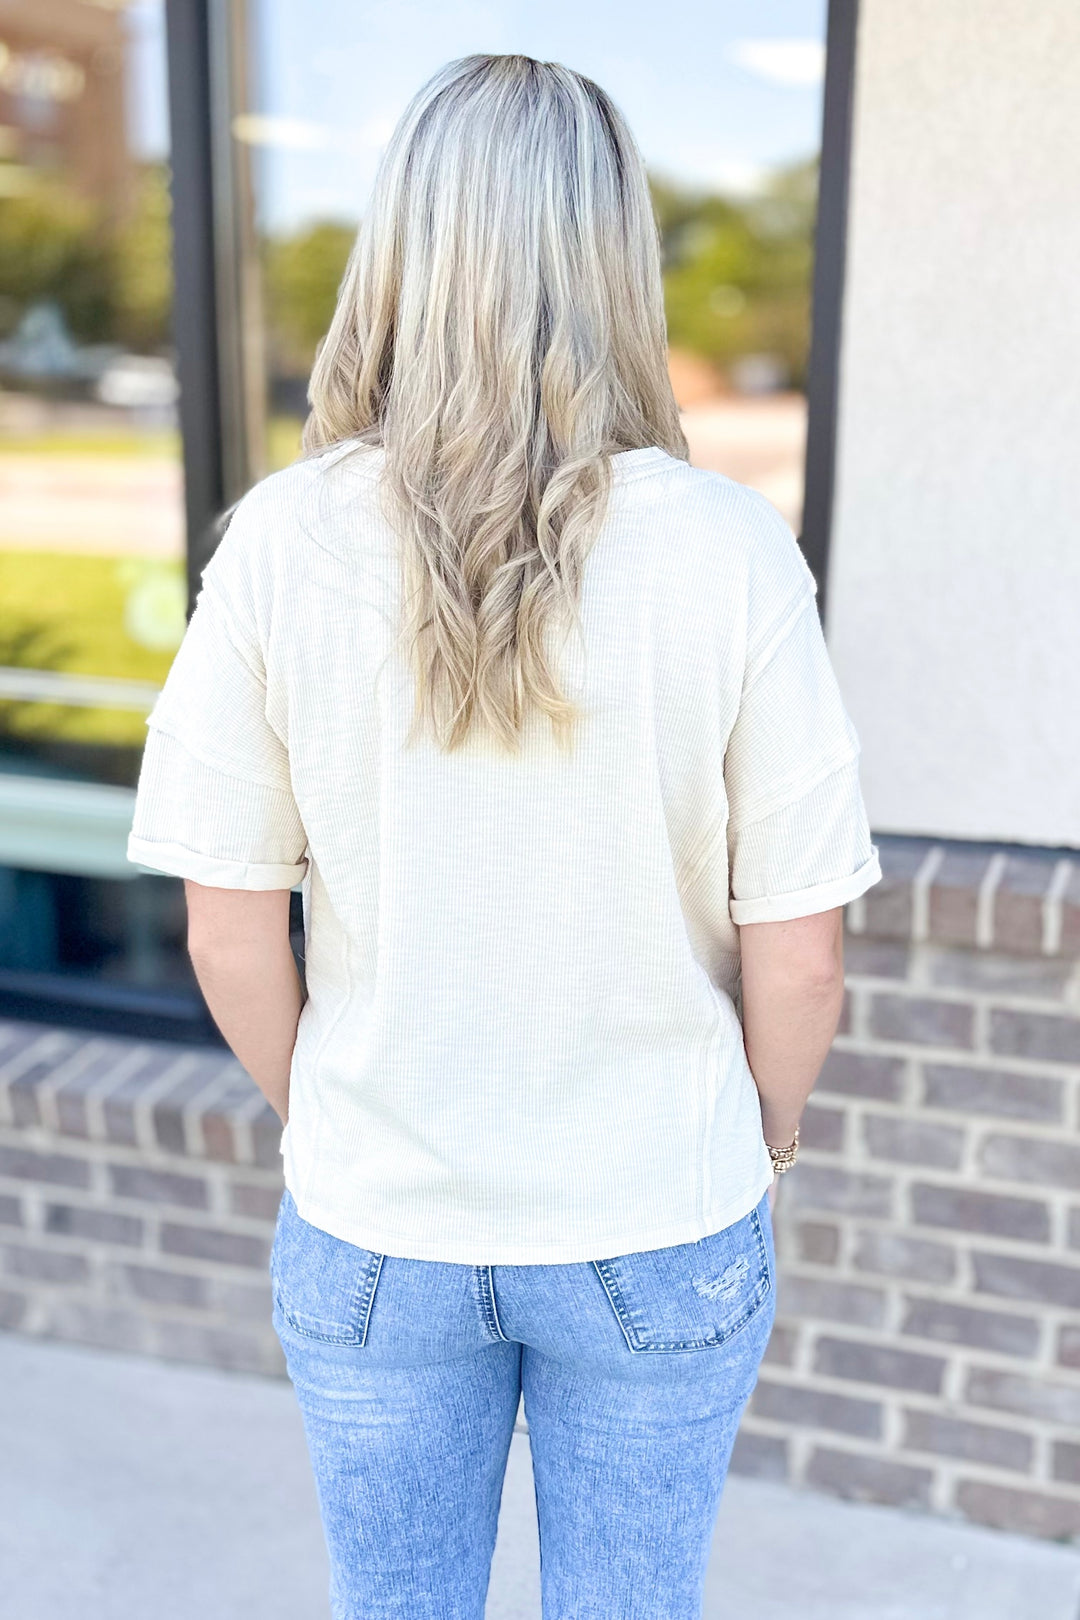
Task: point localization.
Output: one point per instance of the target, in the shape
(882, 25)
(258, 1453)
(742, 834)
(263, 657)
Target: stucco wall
(954, 611)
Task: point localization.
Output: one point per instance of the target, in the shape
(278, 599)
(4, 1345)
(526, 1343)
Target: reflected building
(63, 70)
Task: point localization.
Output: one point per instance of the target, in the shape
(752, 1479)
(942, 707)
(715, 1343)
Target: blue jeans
(635, 1371)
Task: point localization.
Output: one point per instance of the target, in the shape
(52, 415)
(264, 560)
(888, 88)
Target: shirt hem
(178, 861)
(808, 902)
(481, 1253)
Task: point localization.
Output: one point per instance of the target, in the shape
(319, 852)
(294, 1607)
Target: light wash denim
(635, 1371)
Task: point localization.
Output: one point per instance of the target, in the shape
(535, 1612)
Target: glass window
(725, 101)
(92, 580)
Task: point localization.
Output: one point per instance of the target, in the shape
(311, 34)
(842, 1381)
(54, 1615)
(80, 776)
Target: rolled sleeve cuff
(210, 869)
(808, 902)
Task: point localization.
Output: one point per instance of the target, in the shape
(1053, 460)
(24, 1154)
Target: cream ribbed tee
(520, 1042)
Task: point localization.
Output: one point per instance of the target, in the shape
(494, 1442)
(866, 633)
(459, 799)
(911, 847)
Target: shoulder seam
(835, 762)
(205, 759)
(779, 634)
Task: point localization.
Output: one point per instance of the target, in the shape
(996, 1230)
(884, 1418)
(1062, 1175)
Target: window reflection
(91, 541)
(92, 588)
(729, 124)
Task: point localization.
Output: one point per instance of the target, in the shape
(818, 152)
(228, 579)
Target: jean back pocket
(323, 1287)
(691, 1296)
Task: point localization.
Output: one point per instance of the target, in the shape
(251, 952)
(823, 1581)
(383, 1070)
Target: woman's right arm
(799, 844)
(792, 994)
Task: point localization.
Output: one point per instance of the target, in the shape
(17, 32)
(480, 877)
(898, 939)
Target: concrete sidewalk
(131, 1487)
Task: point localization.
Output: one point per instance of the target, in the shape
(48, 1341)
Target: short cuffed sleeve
(798, 837)
(214, 801)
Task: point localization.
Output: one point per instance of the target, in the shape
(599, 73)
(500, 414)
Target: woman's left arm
(238, 941)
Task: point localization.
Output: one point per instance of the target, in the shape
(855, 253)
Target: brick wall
(139, 1183)
(927, 1346)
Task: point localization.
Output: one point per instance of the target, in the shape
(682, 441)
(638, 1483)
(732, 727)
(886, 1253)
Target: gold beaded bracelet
(784, 1158)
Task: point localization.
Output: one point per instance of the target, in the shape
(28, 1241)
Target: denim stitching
(359, 1306)
(485, 1294)
(601, 1269)
(373, 1282)
(630, 1331)
(495, 1305)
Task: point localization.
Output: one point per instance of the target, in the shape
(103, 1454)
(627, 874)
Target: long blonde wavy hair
(500, 332)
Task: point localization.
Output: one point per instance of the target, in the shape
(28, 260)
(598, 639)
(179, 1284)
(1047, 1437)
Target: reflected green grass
(71, 612)
(163, 446)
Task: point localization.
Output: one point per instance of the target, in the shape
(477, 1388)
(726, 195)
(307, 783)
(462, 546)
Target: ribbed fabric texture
(520, 1043)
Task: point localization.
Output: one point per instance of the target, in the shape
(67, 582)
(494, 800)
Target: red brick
(1067, 1462)
(1013, 1277)
(208, 1243)
(158, 1186)
(975, 1442)
(954, 895)
(195, 1084)
(45, 1265)
(823, 1186)
(119, 1105)
(875, 958)
(1004, 1092)
(1027, 1397)
(266, 1138)
(82, 1320)
(93, 1078)
(1068, 1348)
(783, 1342)
(13, 1308)
(1018, 902)
(160, 1287)
(843, 1023)
(219, 1138)
(817, 1409)
(1027, 1158)
(913, 1141)
(59, 1169)
(96, 1225)
(759, 1456)
(819, 1243)
(256, 1202)
(1029, 1512)
(1045, 1036)
(862, 1074)
(921, 1021)
(238, 1302)
(23, 1097)
(822, 1128)
(1002, 1331)
(191, 1340)
(965, 1210)
(835, 1301)
(869, 1479)
(894, 1254)
(35, 1063)
(1039, 978)
(888, 903)
(879, 1364)
(1070, 913)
